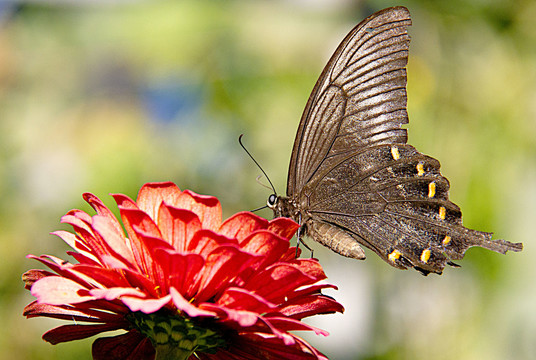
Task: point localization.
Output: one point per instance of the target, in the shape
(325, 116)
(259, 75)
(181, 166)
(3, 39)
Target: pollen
(446, 240)
(442, 212)
(425, 256)
(395, 255)
(395, 153)
(420, 169)
(431, 189)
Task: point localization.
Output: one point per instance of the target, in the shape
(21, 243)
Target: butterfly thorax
(286, 207)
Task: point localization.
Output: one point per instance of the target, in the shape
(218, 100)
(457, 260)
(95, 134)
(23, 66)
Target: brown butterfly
(353, 179)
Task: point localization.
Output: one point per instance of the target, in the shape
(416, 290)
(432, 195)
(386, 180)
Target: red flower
(181, 281)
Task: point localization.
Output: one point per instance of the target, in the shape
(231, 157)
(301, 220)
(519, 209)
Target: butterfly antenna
(258, 179)
(255, 161)
(257, 209)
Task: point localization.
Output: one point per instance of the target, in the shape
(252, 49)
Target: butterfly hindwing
(393, 203)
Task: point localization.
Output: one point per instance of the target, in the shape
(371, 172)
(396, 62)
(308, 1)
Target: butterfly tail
(500, 246)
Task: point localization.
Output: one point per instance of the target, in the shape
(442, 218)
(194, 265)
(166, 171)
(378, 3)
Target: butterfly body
(353, 179)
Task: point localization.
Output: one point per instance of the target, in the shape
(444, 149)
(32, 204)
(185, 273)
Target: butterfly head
(282, 206)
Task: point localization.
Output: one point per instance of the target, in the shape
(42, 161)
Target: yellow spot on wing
(425, 256)
(446, 240)
(420, 169)
(395, 153)
(394, 255)
(442, 212)
(431, 189)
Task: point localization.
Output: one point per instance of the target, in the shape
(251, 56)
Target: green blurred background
(104, 96)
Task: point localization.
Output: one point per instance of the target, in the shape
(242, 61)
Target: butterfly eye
(272, 199)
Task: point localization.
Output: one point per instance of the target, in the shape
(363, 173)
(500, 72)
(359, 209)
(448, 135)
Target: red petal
(115, 293)
(183, 305)
(102, 210)
(238, 318)
(264, 325)
(66, 312)
(266, 244)
(206, 241)
(56, 290)
(105, 277)
(125, 202)
(147, 306)
(180, 270)
(292, 254)
(85, 234)
(207, 208)
(140, 281)
(311, 267)
(62, 268)
(31, 276)
(75, 220)
(111, 306)
(71, 240)
(269, 347)
(222, 265)
(99, 240)
(289, 324)
(137, 219)
(308, 291)
(241, 299)
(83, 259)
(114, 239)
(305, 306)
(76, 332)
(242, 224)
(275, 282)
(178, 226)
(151, 196)
(284, 227)
(240, 306)
(155, 272)
(129, 346)
(80, 215)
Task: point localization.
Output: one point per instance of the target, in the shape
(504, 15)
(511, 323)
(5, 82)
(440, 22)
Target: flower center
(178, 333)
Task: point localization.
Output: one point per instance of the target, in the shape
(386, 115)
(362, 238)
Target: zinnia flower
(181, 283)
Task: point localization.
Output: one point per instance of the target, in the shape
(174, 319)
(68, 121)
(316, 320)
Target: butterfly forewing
(360, 98)
(352, 177)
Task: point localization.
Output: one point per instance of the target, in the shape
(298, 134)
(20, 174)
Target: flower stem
(170, 352)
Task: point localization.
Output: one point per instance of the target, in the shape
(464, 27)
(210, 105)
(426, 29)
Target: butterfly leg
(299, 240)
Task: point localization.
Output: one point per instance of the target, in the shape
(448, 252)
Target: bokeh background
(104, 96)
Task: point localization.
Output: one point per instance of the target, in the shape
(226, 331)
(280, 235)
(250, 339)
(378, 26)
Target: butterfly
(353, 179)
